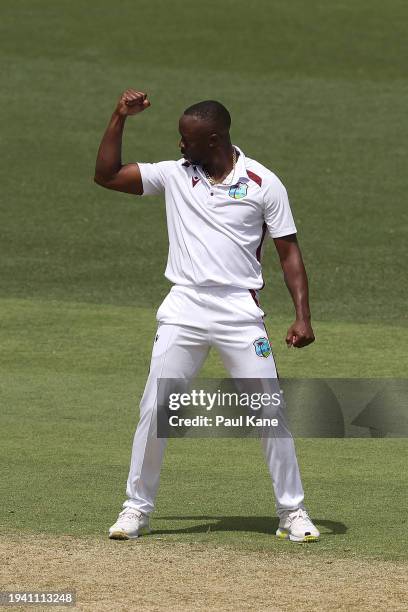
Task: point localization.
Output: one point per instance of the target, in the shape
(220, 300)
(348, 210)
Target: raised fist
(132, 102)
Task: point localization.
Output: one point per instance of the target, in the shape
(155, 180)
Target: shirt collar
(240, 169)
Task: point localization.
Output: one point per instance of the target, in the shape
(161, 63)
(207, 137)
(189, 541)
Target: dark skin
(207, 144)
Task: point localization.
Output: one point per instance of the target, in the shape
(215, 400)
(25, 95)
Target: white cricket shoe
(130, 525)
(296, 526)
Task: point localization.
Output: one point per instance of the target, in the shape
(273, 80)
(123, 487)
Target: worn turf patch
(152, 576)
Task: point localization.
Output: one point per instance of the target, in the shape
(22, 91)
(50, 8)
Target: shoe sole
(285, 535)
(122, 535)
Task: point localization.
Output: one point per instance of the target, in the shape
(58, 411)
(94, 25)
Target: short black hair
(211, 110)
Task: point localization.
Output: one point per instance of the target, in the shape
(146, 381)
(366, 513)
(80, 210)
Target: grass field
(317, 92)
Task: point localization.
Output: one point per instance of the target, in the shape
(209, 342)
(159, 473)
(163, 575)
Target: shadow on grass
(255, 524)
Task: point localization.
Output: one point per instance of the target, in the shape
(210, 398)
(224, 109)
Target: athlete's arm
(109, 171)
(300, 333)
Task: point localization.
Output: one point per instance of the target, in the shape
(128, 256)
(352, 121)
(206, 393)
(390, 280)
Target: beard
(191, 160)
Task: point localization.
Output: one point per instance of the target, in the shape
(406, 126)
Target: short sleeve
(277, 213)
(154, 176)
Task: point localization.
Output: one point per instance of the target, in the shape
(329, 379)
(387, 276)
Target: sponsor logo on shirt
(262, 347)
(238, 191)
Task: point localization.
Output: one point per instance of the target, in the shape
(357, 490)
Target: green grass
(72, 375)
(318, 92)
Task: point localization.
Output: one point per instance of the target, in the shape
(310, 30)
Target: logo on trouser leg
(262, 347)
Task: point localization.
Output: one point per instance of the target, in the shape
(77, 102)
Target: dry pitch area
(150, 575)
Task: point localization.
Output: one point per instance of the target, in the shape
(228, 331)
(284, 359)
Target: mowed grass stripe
(72, 376)
(336, 142)
(103, 339)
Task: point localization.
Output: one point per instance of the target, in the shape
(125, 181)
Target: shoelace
(130, 513)
(300, 513)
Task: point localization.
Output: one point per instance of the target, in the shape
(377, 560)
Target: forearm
(109, 158)
(296, 281)
(300, 333)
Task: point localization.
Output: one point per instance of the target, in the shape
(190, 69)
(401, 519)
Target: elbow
(100, 180)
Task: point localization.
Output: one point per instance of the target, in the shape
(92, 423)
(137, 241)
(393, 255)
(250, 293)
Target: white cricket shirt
(216, 232)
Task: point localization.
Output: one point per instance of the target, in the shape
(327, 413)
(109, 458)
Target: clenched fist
(132, 102)
(300, 334)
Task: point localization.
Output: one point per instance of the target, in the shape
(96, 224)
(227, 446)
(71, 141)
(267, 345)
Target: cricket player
(220, 206)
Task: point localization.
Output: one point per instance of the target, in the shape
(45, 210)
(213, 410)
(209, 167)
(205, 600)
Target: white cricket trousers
(191, 321)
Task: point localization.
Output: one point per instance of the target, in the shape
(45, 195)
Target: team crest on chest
(262, 347)
(238, 191)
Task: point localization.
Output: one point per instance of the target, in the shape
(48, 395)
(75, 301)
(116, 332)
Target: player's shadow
(255, 524)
